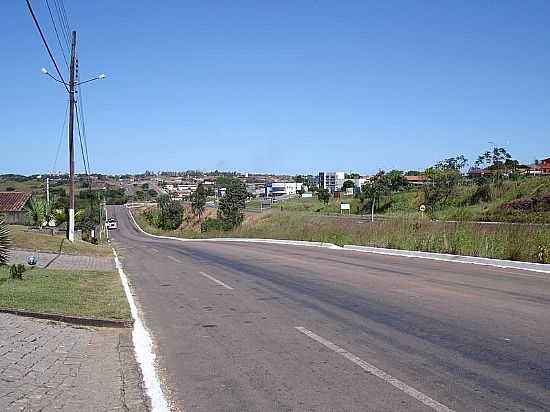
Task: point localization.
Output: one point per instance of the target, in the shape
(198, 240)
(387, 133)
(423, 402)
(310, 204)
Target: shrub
(4, 241)
(232, 204)
(16, 271)
(482, 194)
(171, 215)
(542, 254)
(211, 224)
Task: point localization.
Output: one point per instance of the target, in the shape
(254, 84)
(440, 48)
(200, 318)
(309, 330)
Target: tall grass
(512, 242)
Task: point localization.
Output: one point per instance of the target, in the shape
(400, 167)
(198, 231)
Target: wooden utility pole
(70, 227)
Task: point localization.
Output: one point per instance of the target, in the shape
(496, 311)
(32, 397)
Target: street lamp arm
(100, 77)
(57, 80)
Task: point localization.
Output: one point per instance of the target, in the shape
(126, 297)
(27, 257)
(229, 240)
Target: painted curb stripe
(143, 347)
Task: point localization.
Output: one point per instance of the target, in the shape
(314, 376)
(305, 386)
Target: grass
(25, 238)
(405, 204)
(511, 242)
(75, 293)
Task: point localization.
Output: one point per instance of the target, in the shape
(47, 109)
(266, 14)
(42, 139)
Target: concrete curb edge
(74, 320)
(500, 263)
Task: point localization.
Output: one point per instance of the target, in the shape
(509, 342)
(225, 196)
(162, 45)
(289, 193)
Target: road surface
(263, 327)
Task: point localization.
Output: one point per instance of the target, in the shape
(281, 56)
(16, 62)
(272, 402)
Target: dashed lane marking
(425, 399)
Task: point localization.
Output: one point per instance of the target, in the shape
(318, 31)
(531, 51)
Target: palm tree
(37, 211)
(4, 241)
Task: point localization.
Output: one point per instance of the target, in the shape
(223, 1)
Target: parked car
(111, 223)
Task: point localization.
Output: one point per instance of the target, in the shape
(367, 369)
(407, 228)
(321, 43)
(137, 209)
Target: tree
(375, 191)
(232, 204)
(347, 184)
(171, 215)
(198, 201)
(299, 179)
(351, 175)
(323, 195)
(394, 180)
(444, 176)
(496, 161)
(4, 241)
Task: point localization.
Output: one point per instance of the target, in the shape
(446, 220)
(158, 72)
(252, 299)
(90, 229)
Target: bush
(4, 241)
(232, 204)
(168, 217)
(482, 194)
(211, 224)
(171, 215)
(16, 271)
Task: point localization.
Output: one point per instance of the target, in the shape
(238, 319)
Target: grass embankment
(461, 204)
(74, 293)
(513, 242)
(25, 238)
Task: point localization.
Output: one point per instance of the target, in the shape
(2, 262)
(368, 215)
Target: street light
(47, 73)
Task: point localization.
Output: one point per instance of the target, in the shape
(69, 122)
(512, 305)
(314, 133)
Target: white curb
(500, 263)
(240, 239)
(143, 347)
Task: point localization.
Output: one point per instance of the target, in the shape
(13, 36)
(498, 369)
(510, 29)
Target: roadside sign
(345, 206)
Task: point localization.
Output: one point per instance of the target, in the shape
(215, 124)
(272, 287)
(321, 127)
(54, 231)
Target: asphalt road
(377, 333)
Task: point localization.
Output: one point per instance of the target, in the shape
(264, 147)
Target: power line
(57, 34)
(63, 26)
(80, 111)
(64, 18)
(60, 138)
(80, 139)
(45, 43)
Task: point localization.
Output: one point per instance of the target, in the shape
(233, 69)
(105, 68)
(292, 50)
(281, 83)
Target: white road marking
(426, 400)
(154, 250)
(219, 282)
(143, 346)
(174, 259)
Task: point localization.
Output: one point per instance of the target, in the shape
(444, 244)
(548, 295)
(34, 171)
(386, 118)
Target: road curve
(262, 327)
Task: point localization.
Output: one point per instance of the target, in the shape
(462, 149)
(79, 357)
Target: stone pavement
(54, 366)
(63, 261)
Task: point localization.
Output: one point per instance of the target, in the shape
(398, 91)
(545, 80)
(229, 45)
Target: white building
(332, 181)
(276, 189)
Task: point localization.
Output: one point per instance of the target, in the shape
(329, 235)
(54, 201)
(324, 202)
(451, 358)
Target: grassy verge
(512, 242)
(25, 238)
(76, 293)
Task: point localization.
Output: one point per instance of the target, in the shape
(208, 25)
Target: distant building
(276, 189)
(180, 191)
(540, 168)
(12, 205)
(332, 181)
(417, 180)
(255, 189)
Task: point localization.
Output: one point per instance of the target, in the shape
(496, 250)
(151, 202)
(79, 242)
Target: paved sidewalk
(62, 261)
(53, 366)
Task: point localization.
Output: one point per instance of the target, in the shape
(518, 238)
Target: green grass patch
(76, 293)
(25, 238)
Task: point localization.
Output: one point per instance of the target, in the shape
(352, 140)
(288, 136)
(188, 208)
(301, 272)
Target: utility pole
(70, 228)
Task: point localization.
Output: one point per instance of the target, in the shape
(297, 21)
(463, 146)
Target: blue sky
(282, 86)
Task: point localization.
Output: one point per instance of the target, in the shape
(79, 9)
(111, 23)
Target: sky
(280, 86)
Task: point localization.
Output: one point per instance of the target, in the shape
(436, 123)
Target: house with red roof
(13, 207)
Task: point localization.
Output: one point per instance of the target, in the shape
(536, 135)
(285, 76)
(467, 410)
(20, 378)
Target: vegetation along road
(250, 327)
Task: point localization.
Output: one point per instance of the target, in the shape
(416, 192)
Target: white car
(111, 224)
